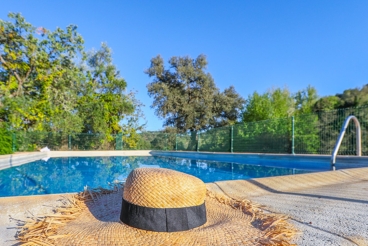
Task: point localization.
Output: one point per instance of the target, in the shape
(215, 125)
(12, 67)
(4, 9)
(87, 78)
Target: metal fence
(302, 134)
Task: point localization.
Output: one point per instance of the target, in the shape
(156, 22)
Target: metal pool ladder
(342, 133)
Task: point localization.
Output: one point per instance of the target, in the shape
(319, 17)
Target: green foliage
(267, 121)
(102, 103)
(317, 122)
(215, 140)
(349, 98)
(37, 75)
(5, 141)
(314, 133)
(305, 100)
(151, 141)
(327, 103)
(34, 140)
(307, 133)
(187, 97)
(354, 97)
(277, 103)
(330, 123)
(187, 141)
(132, 140)
(268, 136)
(48, 83)
(88, 141)
(266, 128)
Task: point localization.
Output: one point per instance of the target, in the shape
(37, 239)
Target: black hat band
(163, 219)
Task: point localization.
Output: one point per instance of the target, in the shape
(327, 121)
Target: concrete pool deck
(328, 208)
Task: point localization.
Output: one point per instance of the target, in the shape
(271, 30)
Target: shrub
(5, 141)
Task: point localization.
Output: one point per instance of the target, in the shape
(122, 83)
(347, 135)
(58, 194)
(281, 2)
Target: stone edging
(17, 159)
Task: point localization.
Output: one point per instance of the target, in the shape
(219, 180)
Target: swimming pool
(71, 174)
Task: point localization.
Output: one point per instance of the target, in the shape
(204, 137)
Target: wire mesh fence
(30, 141)
(317, 133)
(269, 136)
(215, 140)
(302, 134)
(187, 142)
(149, 141)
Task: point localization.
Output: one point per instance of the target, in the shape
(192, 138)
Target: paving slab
(329, 208)
(329, 215)
(21, 208)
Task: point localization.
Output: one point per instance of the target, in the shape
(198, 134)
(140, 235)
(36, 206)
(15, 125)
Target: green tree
(305, 100)
(354, 97)
(228, 106)
(267, 121)
(327, 103)
(187, 97)
(349, 98)
(103, 102)
(333, 110)
(276, 103)
(49, 83)
(37, 75)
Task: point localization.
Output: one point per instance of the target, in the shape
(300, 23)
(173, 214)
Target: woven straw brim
(93, 219)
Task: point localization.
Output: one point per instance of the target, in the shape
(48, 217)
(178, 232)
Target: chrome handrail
(342, 133)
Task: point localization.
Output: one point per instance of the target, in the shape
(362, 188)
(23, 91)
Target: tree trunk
(192, 146)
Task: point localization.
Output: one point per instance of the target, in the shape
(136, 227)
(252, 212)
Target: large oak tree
(186, 96)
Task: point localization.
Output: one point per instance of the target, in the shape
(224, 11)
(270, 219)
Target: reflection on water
(71, 174)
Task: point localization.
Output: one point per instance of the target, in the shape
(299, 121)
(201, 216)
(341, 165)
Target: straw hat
(162, 207)
(163, 200)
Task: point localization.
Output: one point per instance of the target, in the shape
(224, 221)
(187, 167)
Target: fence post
(122, 141)
(119, 141)
(197, 142)
(292, 135)
(69, 142)
(13, 141)
(232, 139)
(176, 142)
(165, 141)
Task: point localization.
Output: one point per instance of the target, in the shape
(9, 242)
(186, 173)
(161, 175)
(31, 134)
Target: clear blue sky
(253, 45)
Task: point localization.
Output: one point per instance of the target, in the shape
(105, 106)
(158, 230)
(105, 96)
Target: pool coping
(17, 159)
(21, 158)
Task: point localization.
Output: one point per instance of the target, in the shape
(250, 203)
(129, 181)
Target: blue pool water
(71, 174)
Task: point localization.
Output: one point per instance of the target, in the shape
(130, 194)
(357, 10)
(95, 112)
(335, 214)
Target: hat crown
(163, 188)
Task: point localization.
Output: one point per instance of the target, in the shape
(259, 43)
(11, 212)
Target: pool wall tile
(313, 162)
